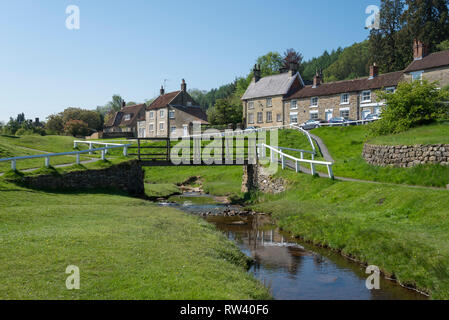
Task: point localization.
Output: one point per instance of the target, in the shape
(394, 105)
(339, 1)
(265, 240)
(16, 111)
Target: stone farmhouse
(283, 99)
(123, 123)
(174, 111)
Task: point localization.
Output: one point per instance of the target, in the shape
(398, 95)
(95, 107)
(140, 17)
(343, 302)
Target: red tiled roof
(119, 118)
(434, 60)
(163, 101)
(330, 88)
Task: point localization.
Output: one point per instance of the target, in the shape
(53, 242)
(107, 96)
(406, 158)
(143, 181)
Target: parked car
(338, 121)
(312, 124)
(250, 128)
(372, 116)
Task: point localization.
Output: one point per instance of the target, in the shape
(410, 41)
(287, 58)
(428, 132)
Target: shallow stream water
(290, 268)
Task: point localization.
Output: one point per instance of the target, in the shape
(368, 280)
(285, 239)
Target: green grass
(160, 190)
(125, 248)
(216, 180)
(431, 134)
(54, 144)
(345, 145)
(403, 230)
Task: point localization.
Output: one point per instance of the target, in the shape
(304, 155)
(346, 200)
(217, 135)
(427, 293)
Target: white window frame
(173, 129)
(390, 89)
(342, 100)
(269, 119)
(250, 105)
(127, 117)
(151, 115)
(363, 96)
(162, 113)
(269, 102)
(345, 110)
(171, 114)
(420, 73)
(314, 112)
(161, 126)
(293, 114)
(294, 104)
(151, 127)
(312, 103)
(278, 117)
(189, 103)
(259, 113)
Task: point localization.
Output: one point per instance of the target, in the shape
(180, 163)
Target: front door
(328, 115)
(186, 130)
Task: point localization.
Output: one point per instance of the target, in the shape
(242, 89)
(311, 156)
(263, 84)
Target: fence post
(329, 170)
(302, 155)
(283, 161)
(272, 155)
(297, 166)
(90, 147)
(47, 162)
(13, 165)
(78, 159)
(75, 145)
(312, 169)
(125, 151)
(103, 155)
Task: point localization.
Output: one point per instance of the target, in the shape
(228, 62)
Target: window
(151, 127)
(366, 96)
(294, 104)
(279, 117)
(161, 126)
(344, 99)
(269, 116)
(390, 90)
(251, 118)
(161, 113)
(344, 113)
(269, 102)
(127, 117)
(171, 114)
(259, 117)
(173, 129)
(151, 114)
(313, 115)
(417, 76)
(189, 103)
(314, 102)
(294, 117)
(251, 105)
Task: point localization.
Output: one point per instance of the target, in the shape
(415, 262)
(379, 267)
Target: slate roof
(119, 117)
(331, 88)
(434, 60)
(274, 85)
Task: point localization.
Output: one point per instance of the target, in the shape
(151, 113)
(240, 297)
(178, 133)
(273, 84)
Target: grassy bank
(125, 248)
(403, 230)
(345, 144)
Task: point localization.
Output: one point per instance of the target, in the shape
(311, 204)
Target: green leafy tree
(225, 112)
(413, 104)
(309, 68)
(90, 117)
(443, 45)
(55, 124)
(270, 63)
(76, 128)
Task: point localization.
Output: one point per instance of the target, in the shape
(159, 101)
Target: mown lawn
(403, 230)
(345, 144)
(431, 134)
(125, 248)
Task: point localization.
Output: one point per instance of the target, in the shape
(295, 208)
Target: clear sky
(130, 47)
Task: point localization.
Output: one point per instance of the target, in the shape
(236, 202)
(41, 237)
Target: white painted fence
(47, 156)
(106, 144)
(283, 156)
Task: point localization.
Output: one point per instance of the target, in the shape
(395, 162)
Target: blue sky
(130, 47)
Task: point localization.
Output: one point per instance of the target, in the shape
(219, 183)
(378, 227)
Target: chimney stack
(257, 73)
(420, 50)
(183, 85)
(373, 71)
(293, 68)
(162, 90)
(317, 79)
(123, 104)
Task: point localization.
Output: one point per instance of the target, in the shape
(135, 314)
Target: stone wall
(255, 178)
(127, 176)
(406, 156)
(250, 178)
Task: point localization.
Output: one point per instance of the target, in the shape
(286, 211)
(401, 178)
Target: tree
(413, 104)
(292, 56)
(76, 128)
(309, 68)
(443, 46)
(428, 21)
(225, 112)
(270, 63)
(55, 124)
(91, 118)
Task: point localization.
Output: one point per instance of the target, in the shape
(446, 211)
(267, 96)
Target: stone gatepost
(250, 178)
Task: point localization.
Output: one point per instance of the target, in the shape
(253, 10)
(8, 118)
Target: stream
(290, 268)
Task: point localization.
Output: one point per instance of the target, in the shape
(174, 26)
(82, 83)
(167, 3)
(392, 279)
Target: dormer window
(390, 90)
(314, 102)
(417, 76)
(127, 117)
(366, 96)
(189, 103)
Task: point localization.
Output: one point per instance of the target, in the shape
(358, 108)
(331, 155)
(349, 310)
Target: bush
(76, 128)
(413, 104)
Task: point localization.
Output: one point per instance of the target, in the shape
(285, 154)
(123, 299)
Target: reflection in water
(294, 270)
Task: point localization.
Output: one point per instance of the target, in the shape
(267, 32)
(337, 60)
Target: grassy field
(345, 144)
(125, 248)
(403, 230)
(432, 134)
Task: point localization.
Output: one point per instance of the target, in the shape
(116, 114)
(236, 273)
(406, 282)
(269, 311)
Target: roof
(274, 85)
(119, 117)
(434, 60)
(330, 88)
(163, 100)
(195, 111)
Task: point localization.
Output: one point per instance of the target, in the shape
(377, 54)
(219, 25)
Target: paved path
(323, 149)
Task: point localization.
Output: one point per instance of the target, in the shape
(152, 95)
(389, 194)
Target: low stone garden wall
(126, 176)
(406, 156)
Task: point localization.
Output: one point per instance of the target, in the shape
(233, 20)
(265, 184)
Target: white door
(365, 113)
(186, 130)
(328, 115)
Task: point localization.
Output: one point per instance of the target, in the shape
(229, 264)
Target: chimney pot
(373, 71)
(256, 72)
(317, 79)
(183, 85)
(123, 104)
(162, 90)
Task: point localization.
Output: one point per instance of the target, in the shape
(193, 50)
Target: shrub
(76, 128)
(413, 104)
